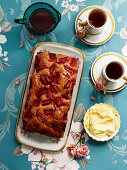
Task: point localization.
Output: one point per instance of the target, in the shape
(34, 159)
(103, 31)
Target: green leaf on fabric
(1, 66)
(18, 151)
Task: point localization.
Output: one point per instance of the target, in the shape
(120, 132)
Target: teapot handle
(19, 21)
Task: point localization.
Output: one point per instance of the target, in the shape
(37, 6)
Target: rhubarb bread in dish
(49, 98)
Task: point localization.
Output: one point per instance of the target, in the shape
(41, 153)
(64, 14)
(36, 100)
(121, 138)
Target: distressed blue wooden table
(14, 62)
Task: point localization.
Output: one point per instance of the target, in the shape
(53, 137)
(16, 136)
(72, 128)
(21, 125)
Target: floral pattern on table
(5, 27)
(111, 4)
(118, 150)
(70, 6)
(123, 35)
(89, 56)
(9, 106)
(24, 5)
(29, 41)
(3, 167)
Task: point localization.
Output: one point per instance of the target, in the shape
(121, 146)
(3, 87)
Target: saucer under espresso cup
(40, 18)
(100, 63)
(105, 31)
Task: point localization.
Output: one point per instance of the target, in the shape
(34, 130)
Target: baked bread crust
(50, 92)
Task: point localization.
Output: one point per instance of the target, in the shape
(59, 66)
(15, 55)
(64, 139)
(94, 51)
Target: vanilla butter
(102, 120)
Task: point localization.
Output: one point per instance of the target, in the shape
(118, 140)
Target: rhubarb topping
(73, 62)
(40, 117)
(40, 92)
(63, 60)
(46, 102)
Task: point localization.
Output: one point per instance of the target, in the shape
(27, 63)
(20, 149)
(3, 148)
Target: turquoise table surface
(14, 63)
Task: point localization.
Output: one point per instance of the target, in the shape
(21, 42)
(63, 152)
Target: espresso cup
(113, 71)
(96, 20)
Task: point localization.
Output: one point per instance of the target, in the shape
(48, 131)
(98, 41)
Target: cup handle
(83, 23)
(19, 21)
(125, 78)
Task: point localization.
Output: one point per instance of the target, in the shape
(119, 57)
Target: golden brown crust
(50, 93)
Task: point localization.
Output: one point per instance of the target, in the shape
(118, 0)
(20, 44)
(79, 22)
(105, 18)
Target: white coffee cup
(96, 20)
(120, 73)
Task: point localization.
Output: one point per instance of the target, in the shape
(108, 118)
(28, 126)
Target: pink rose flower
(100, 84)
(71, 150)
(78, 151)
(81, 33)
(82, 151)
(78, 154)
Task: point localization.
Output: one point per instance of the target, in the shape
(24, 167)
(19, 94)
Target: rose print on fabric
(5, 27)
(71, 6)
(123, 35)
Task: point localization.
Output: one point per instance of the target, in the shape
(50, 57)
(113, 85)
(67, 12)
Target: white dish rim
(19, 115)
(104, 138)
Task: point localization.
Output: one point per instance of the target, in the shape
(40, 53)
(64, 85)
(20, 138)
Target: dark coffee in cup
(114, 70)
(97, 18)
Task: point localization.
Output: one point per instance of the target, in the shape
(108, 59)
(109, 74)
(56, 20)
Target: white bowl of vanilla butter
(102, 122)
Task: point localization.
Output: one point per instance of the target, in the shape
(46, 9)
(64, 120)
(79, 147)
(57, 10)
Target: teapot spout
(19, 21)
